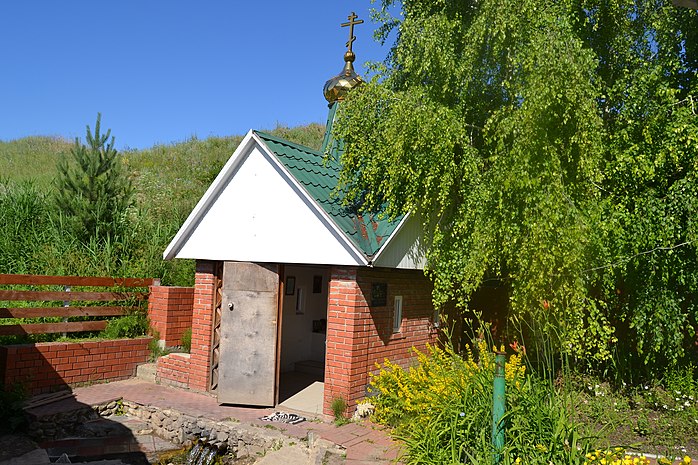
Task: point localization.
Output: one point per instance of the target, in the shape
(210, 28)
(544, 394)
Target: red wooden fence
(74, 303)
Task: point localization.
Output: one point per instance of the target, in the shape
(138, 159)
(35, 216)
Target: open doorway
(303, 337)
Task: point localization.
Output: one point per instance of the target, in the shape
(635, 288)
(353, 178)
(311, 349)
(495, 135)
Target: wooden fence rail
(126, 302)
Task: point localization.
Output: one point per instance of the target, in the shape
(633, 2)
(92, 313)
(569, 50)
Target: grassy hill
(168, 180)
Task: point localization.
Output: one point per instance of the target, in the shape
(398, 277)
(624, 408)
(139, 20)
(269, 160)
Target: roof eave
(395, 232)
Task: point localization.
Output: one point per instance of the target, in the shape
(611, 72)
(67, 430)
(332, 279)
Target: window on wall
(397, 313)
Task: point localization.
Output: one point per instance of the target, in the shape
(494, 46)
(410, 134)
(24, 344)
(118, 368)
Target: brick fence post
(202, 321)
(170, 311)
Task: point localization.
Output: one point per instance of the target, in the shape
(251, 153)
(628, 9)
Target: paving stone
(364, 444)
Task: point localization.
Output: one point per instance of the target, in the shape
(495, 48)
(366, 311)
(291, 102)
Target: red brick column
(347, 342)
(359, 336)
(202, 322)
(170, 312)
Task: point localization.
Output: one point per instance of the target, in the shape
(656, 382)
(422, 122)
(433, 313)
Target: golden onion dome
(336, 88)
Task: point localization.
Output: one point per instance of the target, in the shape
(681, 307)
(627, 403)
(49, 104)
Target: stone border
(64, 424)
(241, 440)
(182, 429)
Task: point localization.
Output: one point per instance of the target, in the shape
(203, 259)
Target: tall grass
(168, 179)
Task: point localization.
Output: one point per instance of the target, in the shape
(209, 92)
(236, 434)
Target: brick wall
(359, 335)
(202, 322)
(50, 366)
(170, 312)
(173, 370)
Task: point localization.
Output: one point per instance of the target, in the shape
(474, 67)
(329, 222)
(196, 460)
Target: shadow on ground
(57, 426)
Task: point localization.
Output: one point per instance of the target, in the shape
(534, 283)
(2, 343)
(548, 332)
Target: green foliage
(553, 150)
(186, 340)
(156, 350)
(168, 180)
(129, 326)
(442, 410)
(339, 410)
(651, 417)
(94, 194)
(24, 216)
(310, 135)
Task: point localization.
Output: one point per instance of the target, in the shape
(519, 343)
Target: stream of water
(202, 453)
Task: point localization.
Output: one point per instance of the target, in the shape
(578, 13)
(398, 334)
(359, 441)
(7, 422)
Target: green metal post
(498, 407)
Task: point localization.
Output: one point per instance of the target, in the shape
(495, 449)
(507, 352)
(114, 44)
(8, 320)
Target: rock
(35, 457)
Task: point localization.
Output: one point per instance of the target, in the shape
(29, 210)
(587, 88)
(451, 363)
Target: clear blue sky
(164, 71)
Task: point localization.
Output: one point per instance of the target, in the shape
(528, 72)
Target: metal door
(248, 348)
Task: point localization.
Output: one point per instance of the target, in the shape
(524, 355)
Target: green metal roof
(319, 177)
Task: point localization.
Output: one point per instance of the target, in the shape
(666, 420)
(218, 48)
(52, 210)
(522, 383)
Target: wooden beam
(37, 280)
(39, 312)
(42, 328)
(69, 296)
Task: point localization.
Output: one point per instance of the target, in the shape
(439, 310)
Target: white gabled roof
(255, 210)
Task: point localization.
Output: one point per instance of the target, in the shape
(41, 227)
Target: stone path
(365, 444)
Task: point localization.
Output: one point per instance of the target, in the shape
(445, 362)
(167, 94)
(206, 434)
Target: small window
(397, 313)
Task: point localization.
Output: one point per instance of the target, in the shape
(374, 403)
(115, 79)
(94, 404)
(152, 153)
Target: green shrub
(186, 340)
(133, 325)
(94, 192)
(442, 409)
(156, 350)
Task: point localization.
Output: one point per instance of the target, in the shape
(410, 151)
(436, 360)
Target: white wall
(404, 249)
(239, 219)
(298, 341)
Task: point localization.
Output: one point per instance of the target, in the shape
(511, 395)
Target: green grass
(32, 158)
(659, 417)
(168, 179)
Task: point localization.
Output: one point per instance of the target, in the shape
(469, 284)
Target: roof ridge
(319, 178)
(280, 140)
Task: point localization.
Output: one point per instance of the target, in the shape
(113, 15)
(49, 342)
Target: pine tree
(94, 193)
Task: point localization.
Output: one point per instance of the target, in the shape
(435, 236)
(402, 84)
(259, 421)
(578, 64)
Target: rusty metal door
(248, 347)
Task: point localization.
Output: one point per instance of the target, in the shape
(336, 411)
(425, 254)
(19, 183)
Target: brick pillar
(202, 321)
(170, 312)
(348, 315)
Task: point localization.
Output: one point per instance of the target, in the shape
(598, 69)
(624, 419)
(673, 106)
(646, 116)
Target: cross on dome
(352, 22)
(336, 88)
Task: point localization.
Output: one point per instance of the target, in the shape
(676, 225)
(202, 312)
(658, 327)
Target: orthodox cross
(352, 22)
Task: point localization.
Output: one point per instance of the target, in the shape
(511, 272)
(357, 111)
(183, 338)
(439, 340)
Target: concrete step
(312, 367)
(146, 372)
